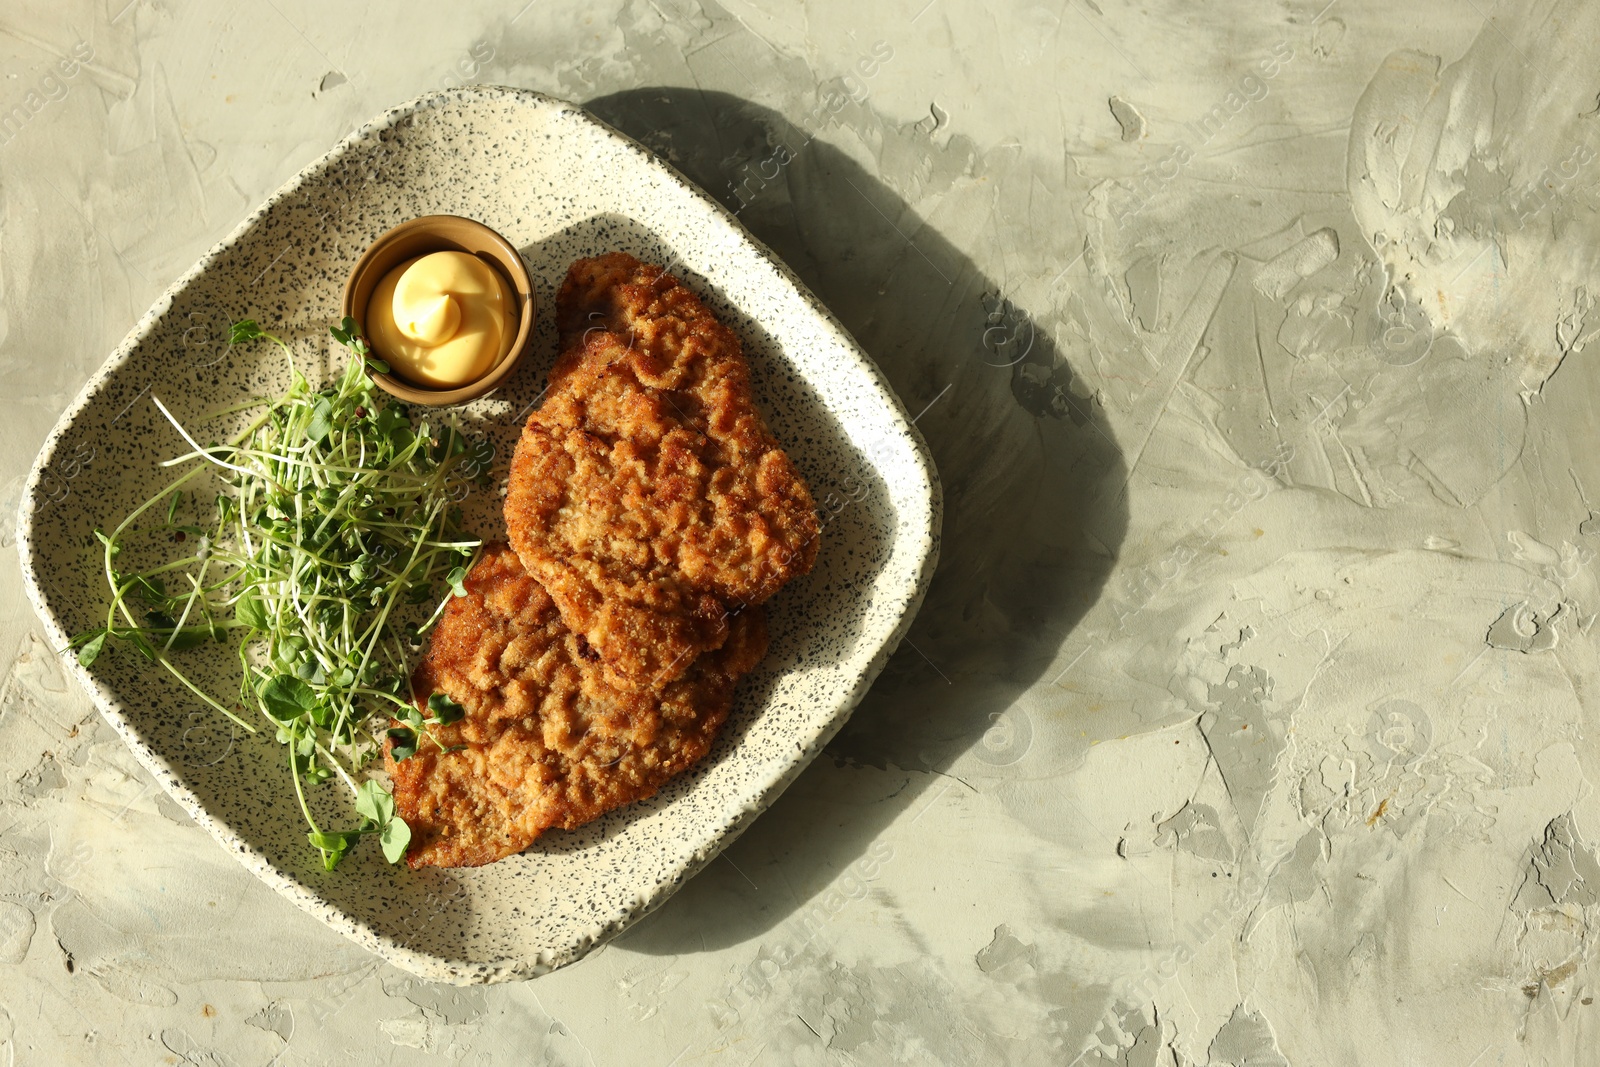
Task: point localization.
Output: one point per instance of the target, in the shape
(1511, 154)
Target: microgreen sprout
(333, 520)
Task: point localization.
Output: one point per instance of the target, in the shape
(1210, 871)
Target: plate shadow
(1032, 475)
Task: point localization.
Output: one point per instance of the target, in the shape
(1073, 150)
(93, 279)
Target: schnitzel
(546, 739)
(646, 494)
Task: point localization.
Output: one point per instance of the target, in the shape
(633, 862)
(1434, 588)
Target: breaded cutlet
(646, 493)
(546, 740)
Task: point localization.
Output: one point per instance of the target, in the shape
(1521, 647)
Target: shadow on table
(1033, 507)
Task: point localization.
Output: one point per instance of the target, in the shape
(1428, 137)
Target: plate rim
(426, 964)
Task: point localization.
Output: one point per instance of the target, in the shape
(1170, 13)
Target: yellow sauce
(440, 319)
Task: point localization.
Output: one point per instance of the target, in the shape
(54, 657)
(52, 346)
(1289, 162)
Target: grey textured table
(1249, 719)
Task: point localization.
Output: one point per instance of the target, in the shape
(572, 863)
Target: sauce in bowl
(440, 319)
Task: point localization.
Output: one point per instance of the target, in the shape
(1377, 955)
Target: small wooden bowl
(443, 233)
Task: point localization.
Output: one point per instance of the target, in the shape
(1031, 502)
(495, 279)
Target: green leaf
(286, 698)
(395, 837)
(91, 651)
(334, 840)
(458, 579)
(450, 443)
(374, 802)
(245, 330)
(152, 591)
(391, 422)
(445, 711)
(348, 333)
(142, 645)
(332, 845)
(113, 546)
(322, 714)
(251, 611)
(290, 651)
(402, 743)
(172, 505)
(310, 670)
(377, 365)
(321, 420)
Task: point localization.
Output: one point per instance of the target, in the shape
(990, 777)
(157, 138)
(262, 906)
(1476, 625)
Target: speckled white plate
(559, 185)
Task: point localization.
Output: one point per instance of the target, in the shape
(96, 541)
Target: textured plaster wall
(1251, 717)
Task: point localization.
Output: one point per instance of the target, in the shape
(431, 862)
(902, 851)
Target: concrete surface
(1250, 718)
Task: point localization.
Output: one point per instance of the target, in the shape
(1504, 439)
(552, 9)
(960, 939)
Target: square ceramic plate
(559, 185)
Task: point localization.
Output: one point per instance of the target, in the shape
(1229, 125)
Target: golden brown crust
(646, 493)
(547, 740)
